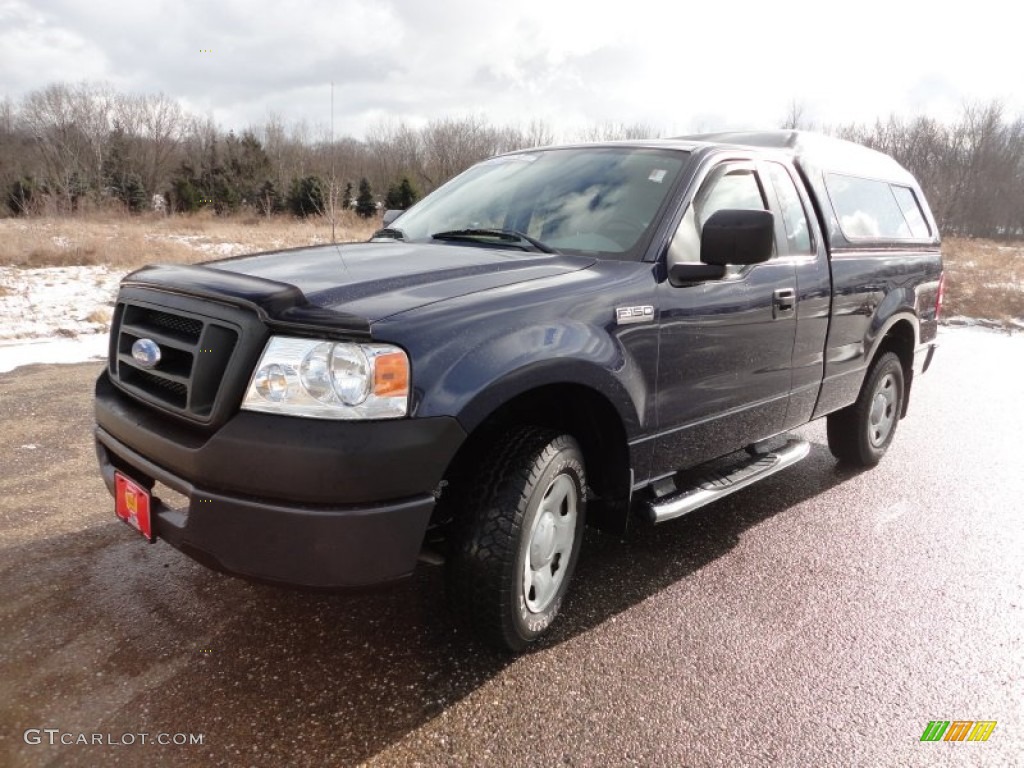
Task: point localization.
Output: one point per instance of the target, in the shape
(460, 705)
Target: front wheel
(861, 433)
(517, 538)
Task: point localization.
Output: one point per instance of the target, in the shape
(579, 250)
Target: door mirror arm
(689, 272)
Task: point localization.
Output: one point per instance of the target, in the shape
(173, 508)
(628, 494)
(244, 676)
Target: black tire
(861, 433)
(490, 543)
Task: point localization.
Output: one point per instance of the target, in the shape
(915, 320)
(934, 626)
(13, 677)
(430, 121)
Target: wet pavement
(821, 617)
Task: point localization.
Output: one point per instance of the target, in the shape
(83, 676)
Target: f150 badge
(629, 315)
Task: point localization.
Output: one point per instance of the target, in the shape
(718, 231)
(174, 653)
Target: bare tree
(613, 131)
(450, 145)
(61, 146)
(538, 133)
(161, 122)
(796, 117)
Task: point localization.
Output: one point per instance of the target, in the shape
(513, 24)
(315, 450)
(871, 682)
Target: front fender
(501, 367)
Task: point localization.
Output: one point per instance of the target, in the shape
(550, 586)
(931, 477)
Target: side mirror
(737, 237)
(393, 213)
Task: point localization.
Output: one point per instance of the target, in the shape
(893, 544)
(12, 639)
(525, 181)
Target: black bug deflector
(282, 306)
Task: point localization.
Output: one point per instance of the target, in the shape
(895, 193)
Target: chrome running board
(717, 484)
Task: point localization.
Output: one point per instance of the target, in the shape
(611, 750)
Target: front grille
(188, 328)
(194, 354)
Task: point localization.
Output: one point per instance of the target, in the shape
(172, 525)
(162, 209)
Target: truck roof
(815, 150)
(812, 151)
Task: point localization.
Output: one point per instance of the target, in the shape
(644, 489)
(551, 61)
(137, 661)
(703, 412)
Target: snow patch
(221, 249)
(202, 243)
(79, 350)
(56, 301)
(959, 321)
(55, 314)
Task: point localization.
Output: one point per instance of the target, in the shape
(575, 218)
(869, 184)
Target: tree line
(77, 147)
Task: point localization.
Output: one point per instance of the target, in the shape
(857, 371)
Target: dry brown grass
(100, 315)
(132, 241)
(984, 279)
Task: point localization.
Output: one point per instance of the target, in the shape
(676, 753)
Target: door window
(798, 233)
(729, 187)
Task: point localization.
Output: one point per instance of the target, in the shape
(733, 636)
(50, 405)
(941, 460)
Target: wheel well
(570, 408)
(901, 340)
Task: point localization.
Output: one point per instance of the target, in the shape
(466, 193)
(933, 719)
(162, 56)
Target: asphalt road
(822, 617)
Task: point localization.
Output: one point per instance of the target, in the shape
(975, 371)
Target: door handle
(783, 302)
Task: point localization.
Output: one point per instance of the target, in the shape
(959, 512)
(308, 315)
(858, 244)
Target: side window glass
(867, 208)
(798, 233)
(911, 211)
(728, 188)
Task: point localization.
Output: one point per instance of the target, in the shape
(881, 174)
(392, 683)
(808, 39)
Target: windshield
(598, 200)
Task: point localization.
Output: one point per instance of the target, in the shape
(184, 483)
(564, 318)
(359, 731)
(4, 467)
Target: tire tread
(480, 579)
(847, 440)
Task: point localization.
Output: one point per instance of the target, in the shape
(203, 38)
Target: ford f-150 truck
(604, 334)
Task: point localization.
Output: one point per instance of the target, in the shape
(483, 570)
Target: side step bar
(715, 485)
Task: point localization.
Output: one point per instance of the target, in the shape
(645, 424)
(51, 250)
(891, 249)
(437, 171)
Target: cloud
(679, 68)
(34, 53)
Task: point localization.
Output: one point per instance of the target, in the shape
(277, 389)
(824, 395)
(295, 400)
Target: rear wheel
(517, 537)
(861, 433)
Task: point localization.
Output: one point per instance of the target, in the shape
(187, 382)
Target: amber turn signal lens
(391, 375)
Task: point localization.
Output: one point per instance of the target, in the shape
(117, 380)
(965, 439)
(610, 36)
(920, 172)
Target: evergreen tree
(346, 200)
(226, 196)
(188, 195)
(364, 202)
(268, 200)
(401, 196)
(246, 167)
(306, 196)
(133, 193)
(391, 199)
(407, 193)
(121, 177)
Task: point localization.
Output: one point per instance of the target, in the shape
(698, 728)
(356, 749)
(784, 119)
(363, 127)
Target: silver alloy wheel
(550, 543)
(883, 411)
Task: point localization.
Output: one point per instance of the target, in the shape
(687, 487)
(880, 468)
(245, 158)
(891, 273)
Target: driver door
(725, 346)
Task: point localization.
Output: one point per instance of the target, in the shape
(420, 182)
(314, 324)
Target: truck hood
(352, 285)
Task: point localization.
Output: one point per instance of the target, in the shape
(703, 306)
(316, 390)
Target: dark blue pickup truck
(604, 334)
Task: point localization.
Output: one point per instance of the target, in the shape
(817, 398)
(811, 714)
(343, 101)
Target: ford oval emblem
(146, 353)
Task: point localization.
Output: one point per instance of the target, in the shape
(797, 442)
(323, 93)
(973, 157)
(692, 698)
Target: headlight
(330, 380)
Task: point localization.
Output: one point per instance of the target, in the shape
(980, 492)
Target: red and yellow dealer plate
(131, 503)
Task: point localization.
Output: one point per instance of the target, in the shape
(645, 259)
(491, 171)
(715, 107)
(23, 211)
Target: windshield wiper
(392, 232)
(504, 235)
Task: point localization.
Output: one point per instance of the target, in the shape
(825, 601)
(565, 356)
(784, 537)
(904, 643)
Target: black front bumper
(305, 502)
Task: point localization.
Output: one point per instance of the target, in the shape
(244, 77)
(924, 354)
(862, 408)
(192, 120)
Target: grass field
(132, 241)
(984, 279)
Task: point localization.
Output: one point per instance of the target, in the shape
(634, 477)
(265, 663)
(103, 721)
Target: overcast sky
(677, 66)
